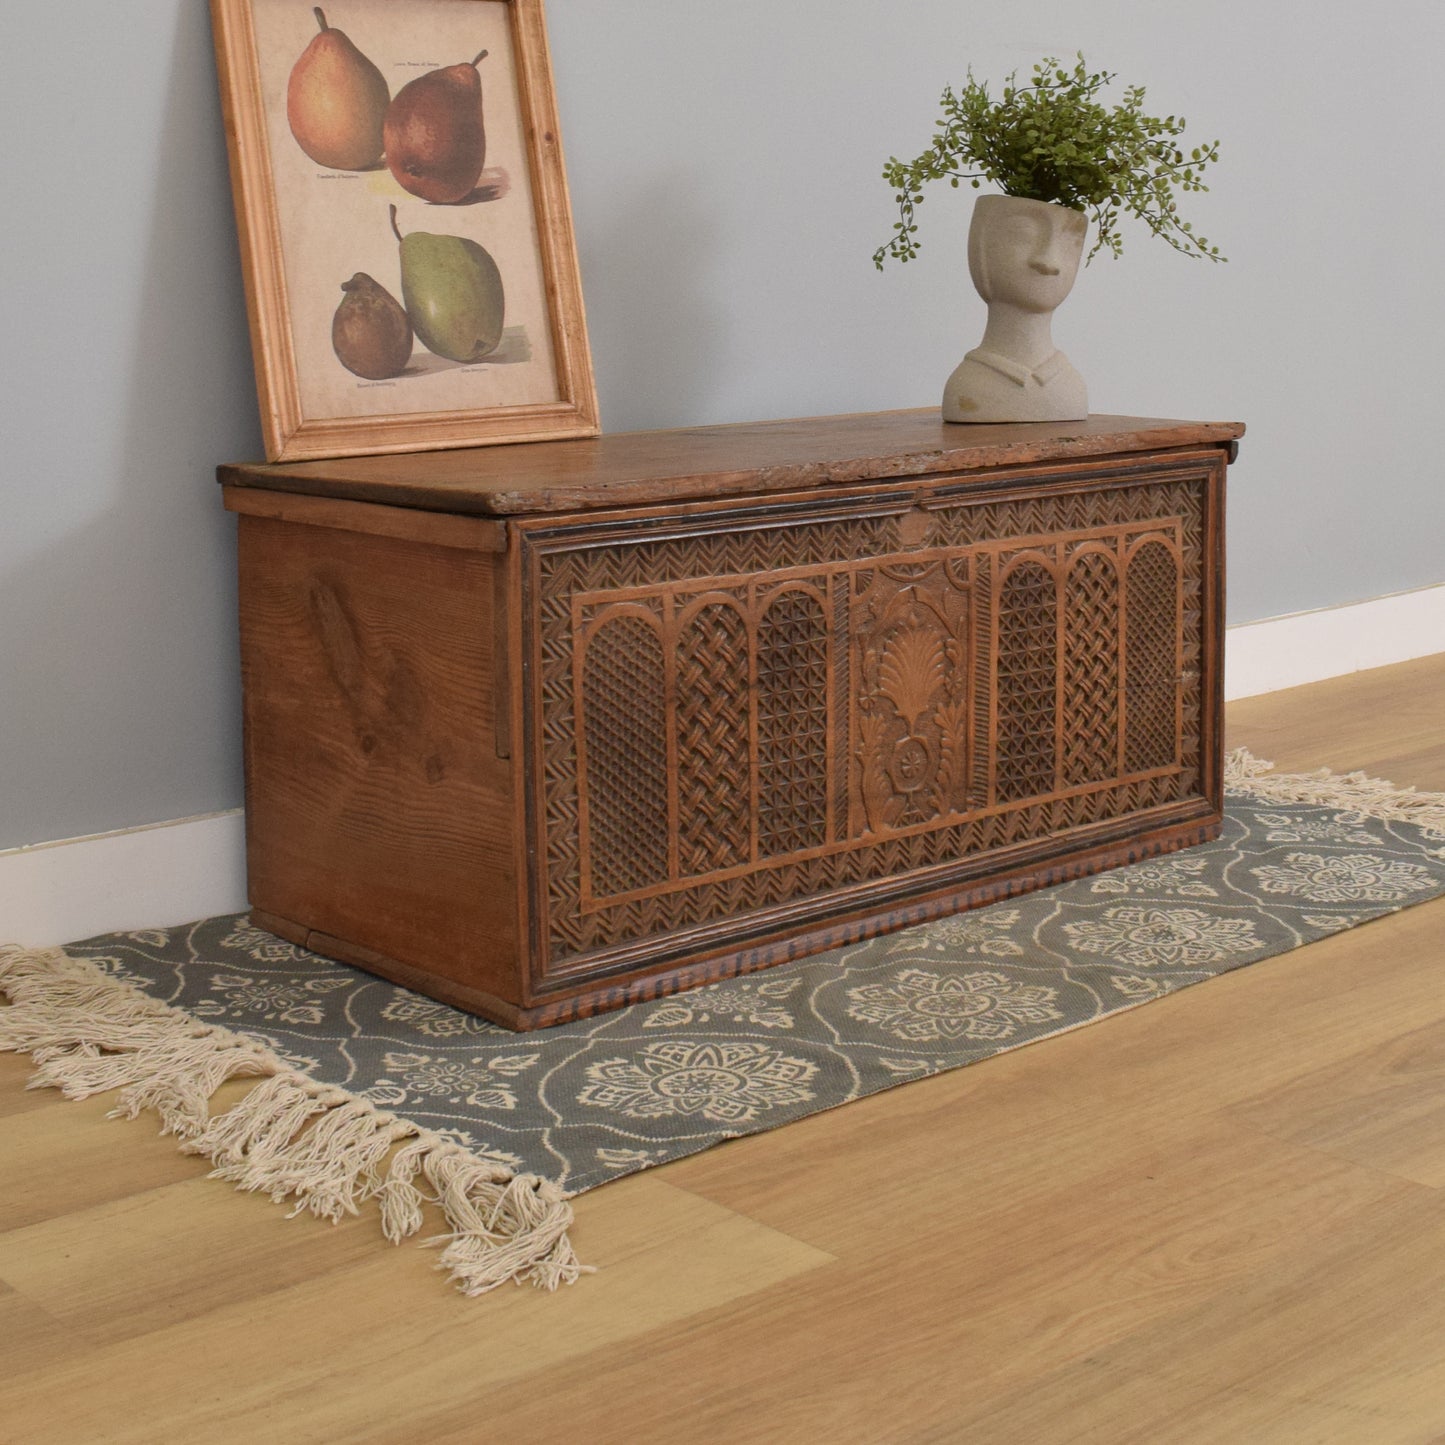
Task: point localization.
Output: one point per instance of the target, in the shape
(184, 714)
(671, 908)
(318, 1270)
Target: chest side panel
(378, 808)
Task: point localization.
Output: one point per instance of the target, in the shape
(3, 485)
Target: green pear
(453, 294)
(336, 102)
(435, 139)
(370, 332)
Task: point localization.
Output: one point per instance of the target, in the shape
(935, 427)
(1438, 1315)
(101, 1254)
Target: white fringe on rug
(1350, 792)
(290, 1137)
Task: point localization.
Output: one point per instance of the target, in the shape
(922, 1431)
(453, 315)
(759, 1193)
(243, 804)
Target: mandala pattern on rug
(1163, 937)
(920, 1006)
(1364, 878)
(727, 1083)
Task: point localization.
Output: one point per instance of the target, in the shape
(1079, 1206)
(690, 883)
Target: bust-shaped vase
(1023, 256)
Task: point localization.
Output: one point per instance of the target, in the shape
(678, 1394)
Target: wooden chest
(540, 730)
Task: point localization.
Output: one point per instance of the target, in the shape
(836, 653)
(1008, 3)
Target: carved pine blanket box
(540, 730)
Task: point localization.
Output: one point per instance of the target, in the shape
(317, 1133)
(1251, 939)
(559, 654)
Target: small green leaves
(1052, 140)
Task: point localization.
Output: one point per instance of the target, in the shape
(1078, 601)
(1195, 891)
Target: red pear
(435, 139)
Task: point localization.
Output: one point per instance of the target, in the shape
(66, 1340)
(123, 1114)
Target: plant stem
(395, 231)
(320, 18)
(480, 58)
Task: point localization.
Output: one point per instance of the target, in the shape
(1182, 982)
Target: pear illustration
(370, 332)
(336, 102)
(434, 135)
(453, 294)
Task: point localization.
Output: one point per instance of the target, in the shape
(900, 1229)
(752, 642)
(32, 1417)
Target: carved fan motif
(911, 672)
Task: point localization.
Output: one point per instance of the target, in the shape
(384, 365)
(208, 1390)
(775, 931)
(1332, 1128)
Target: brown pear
(370, 332)
(435, 139)
(336, 102)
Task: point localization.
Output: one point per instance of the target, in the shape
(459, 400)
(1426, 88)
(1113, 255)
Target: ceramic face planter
(1023, 256)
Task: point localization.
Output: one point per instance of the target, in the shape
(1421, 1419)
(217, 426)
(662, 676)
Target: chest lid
(639, 468)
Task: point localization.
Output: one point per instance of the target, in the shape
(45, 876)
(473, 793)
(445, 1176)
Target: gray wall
(724, 165)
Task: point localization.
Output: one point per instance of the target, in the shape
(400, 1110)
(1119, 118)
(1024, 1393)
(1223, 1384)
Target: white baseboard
(1302, 647)
(148, 877)
(170, 873)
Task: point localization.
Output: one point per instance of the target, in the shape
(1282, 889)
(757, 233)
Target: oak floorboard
(1215, 1218)
(15, 1098)
(31, 1338)
(1383, 1107)
(1339, 1346)
(373, 1343)
(59, 1157)
(149, 1260)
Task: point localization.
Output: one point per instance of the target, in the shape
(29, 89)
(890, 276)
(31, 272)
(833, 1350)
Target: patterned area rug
(370, 1091)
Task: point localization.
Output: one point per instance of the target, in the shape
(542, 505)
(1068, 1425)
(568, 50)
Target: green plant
(1052, 140)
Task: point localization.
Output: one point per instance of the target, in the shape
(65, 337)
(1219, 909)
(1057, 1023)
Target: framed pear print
(406, 240)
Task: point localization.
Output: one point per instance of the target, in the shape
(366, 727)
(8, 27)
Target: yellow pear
(336, 102)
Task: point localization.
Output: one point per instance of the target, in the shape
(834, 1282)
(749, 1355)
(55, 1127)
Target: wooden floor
(1220, 1218)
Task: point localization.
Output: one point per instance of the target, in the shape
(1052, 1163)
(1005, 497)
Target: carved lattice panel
(793, 649)
(713, 764)
(829, 706)
(1091, 668)
(1028, 681)
(626, 741)
(1152, 681)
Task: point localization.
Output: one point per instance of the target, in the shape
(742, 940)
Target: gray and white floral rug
(588, 1102)
(368, 1092)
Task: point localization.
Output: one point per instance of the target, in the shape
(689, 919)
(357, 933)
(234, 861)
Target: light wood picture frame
(406, 237)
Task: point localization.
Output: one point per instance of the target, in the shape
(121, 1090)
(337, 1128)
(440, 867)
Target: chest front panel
(753, 708)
